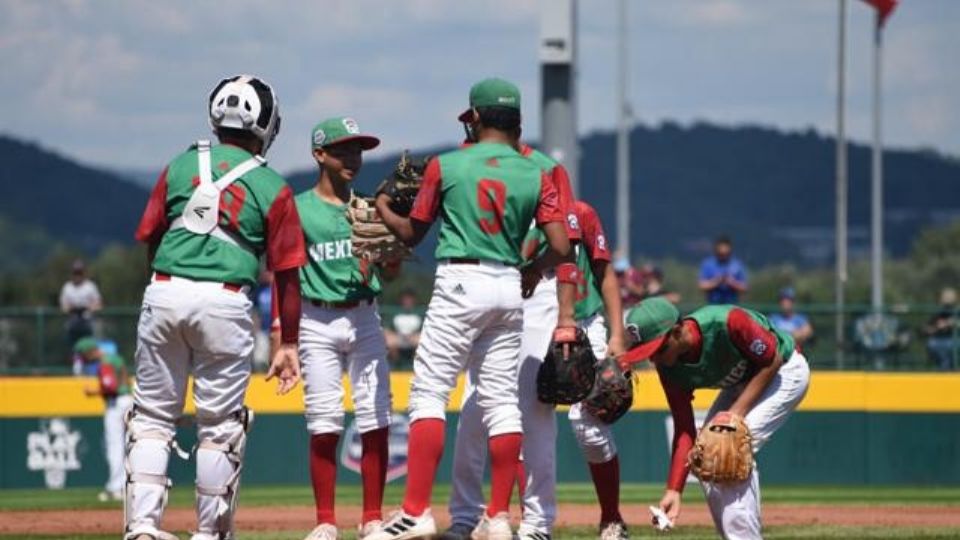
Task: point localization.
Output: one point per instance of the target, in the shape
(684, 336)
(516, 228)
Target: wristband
(568, 273)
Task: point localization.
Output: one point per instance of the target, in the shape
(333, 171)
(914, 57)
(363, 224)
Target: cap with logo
(492, 92)
(340, 130)
(85, 345)
(650, 321)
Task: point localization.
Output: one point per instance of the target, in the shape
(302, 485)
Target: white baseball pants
(334, 341)
(594, 436)
(113, 434)
(736, 507)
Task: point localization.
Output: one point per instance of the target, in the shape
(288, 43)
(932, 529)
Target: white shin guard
(148, 445)
(219, 463)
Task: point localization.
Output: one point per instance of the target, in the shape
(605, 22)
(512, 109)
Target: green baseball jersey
(535, 244)
(332, 272)
(257, 211)
(735, 343)
(486, 194)
(118, 368)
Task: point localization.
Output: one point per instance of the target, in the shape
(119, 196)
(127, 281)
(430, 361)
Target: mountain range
(772, 191)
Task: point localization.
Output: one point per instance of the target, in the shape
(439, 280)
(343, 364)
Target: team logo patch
(758, 347)
(351, 126)
(318, 137)
(633, 332)
(602, 242)
(54, 450)
(352, 449)
(573, 222)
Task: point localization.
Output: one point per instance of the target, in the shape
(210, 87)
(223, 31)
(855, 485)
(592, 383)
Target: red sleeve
(287, 287)
(561, 182)
(274, 307)
(684, 432)
(427, 204)
(109, 379)
(752, 340)
(548, 207)
(153, 223)
(285, 248)
(591, 232)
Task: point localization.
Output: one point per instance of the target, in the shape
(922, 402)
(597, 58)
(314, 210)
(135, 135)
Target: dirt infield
(281, 518)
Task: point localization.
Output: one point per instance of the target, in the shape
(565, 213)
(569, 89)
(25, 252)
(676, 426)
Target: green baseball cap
(492, 92)
(338, 130)
(648, 323)
(85, 345)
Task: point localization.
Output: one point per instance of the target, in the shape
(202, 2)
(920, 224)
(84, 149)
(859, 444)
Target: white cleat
(323, 531)
(493, 528)
(368, 528)
(403, 526)
(615, 530)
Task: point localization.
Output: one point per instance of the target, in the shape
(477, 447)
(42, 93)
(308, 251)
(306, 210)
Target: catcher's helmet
(246, 103)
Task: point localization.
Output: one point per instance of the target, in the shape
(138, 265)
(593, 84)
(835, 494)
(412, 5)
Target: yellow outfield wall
(829, 391)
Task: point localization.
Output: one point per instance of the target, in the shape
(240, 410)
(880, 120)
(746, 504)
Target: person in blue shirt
(788, 320)
(722, 276)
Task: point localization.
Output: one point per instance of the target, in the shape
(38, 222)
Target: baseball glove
(370, 239)
(404, 183)
(612, 393)
(723, 452)
(567, 373)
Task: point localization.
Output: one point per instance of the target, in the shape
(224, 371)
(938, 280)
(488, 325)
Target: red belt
(341, 305)
(161, 276)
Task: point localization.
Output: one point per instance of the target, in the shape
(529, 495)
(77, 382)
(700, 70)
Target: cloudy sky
(124, 83)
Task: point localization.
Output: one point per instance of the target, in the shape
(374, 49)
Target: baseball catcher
(569, 369)
(723, 452)
(370, 238)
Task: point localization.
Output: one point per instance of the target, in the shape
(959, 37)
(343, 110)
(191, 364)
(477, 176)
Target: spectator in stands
(788, 320)
(79, 300)
(403, 338)
(630, 280)
(722, 276)
(653, 284)
(113, 386)
(942, 331)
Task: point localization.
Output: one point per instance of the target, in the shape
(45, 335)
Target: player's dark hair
(506, 119)
(243, 137)
(723, 239)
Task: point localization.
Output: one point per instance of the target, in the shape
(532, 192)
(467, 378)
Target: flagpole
(841, 188)
(623, 136)
(877, 180)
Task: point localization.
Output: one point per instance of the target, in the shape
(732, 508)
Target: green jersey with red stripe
(332, 272)
(592, 248)
(733, 343)
(256, 211)
(487, 195)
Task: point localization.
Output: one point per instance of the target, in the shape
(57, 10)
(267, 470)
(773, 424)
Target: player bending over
(487, 194)
(762, 377)
(212, 214)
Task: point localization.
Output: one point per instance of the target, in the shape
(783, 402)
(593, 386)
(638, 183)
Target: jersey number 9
(492, 198)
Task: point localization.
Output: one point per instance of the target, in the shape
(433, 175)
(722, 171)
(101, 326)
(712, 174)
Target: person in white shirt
(405, 334)
(79, 300)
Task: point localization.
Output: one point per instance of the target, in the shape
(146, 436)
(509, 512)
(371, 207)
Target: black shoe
(457, 531)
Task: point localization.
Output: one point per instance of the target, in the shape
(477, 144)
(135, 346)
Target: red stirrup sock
(424, 450)
(504, 457)
(606, 480)
(373, 471)
(323, 474)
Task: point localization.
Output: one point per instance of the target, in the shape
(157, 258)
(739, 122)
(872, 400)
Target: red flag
(884, 8)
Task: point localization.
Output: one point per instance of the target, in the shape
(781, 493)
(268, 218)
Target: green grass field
(81, 498)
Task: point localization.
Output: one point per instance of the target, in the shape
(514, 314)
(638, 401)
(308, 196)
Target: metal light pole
(558, 32)
(623, 135)
(876, 251)
(841, 187)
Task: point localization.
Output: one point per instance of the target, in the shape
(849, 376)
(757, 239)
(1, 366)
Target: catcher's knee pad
(149, 440)
(220, 453)
(595, 438)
